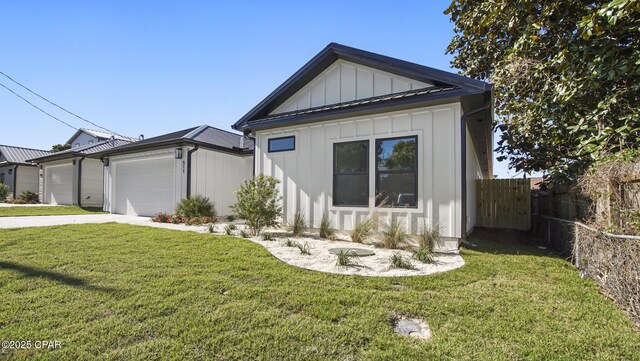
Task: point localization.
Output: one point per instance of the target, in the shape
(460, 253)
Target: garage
(59, 184)
(144, 186)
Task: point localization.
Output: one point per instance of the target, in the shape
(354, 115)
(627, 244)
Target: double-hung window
(397, 172)
(351, 174)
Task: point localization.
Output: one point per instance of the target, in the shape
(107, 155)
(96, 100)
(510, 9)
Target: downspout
(80, 182)
(189, 170)
(15, 181)
(463, 168)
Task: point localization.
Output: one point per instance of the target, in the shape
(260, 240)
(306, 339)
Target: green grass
(46, 211)
(116, 291)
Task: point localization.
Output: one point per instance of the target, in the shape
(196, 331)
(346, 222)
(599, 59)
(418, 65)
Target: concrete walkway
(43, 221)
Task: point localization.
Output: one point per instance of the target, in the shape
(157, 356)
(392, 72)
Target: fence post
(576, 246)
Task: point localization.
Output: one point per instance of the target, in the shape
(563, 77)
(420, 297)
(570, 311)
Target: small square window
(10, 171)
(76, 145)
(282, 144)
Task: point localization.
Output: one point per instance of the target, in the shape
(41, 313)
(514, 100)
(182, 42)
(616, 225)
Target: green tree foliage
(60, 147)
(402, 155)
(566, 75)
(258, 203)
(4, 192)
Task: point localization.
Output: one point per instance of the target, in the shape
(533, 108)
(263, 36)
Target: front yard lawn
(46, 211)
(115, 291)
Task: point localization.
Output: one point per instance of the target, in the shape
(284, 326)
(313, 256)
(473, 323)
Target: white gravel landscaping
(321, 260)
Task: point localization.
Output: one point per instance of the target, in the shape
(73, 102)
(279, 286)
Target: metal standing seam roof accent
(204, 135)
(100, 135)
(20, 155)
(83, 150)
(357, 102)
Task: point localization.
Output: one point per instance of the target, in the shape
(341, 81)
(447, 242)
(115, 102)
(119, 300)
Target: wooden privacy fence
(503, 203)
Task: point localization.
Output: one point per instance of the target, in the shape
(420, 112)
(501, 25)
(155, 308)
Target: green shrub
(290, 243)
(4, 192)
(211, 228)
(258, 203)
(231, 218)
(196, 206)
(229, 227)
(397, 261)
(326, 231)
(346, 259)
(393, 235)
(28, 197)
(267, 237)
(299, 224)
(423, 256)
(364, 229)
(244, 234)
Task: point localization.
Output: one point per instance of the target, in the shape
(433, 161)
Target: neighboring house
(89, 136)
(72, 177)
(154, 174)
(16, 171)
(353, 132)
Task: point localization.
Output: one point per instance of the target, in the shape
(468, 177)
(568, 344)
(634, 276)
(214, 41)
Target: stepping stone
(359, 252)
(407, 327)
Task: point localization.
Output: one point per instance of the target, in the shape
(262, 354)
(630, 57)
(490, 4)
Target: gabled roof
(82, 151)
(100, 135)
(19, 155)
(205, 136)
(333, 52)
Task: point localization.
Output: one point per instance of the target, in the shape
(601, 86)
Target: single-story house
(86, 136)
(353, 132)
(154, 174)
(72, 176)
(16, 171)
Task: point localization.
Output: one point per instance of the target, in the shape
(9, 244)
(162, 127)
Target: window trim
(281, 150)
(366, 172)
(415, 172)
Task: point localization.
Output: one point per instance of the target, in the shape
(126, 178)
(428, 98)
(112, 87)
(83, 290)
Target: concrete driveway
(43, 221)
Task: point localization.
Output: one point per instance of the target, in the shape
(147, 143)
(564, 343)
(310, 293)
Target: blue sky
(151, 67)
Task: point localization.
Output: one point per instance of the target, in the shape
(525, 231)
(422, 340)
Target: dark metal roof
(204, 135)
(19, 155)
(359, 102)
(84, 150)
(333, 52)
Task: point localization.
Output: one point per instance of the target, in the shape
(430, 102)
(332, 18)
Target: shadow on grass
(510, 242)
(54, 276)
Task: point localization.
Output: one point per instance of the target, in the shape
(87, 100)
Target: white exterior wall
(306, 174)
(27, 179)
(83, 139)
(473, 172)
(345, 81)
(218, 175)
(91, 187)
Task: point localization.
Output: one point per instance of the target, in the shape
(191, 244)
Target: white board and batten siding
(345, 81)
(91, 183)
(218, 175)
(306, 174)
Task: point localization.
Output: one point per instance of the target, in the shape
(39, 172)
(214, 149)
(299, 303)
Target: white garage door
(144, 187)
(59, 184)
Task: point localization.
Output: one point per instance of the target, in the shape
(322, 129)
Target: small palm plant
(299, 224)
(364, 229)
(326, 231)
(393, 235)
(398, 261)
(427, 240)
(346, 259)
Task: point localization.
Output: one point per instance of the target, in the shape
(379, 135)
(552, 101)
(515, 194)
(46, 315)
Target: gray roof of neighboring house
(84, 150)
(204, 135)
(100, 135)
(465, 86)
(19, 155)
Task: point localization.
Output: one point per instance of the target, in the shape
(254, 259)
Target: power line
(40, 109)
(58, 106)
